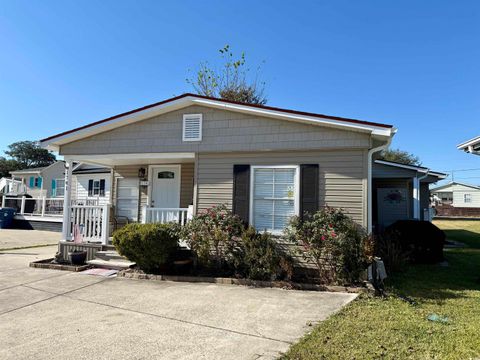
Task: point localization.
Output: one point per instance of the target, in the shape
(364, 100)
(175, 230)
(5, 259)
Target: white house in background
(90, 185)
(41, 181)
(458, 194)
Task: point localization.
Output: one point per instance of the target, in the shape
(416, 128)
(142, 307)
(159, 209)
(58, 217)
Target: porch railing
(166, 215)
(92, 222)
(41, 206)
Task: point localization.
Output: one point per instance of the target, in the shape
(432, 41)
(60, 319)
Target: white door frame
(150, 181)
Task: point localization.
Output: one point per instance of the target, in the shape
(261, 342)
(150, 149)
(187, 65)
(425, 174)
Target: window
(166, 175)
(35, 182)
(58, 187)
(192, 127)
(467, 198)
(274, 197)
(127, 198)
(96, 187)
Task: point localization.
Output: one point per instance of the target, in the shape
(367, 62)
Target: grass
(390, 328)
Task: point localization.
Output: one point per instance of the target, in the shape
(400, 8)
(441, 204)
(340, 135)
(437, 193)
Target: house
(471, 146)
(180, 156)
(401, 192)
(41, 181)
(458, 194)
(91, 184)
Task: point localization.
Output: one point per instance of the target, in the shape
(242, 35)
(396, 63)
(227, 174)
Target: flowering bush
(212, 235)
(333, 242)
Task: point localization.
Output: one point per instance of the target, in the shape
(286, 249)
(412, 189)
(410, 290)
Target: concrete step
(108, 255)
(116, 264)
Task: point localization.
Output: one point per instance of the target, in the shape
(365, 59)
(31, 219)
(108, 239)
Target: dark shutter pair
(308, 190)
(102, 188)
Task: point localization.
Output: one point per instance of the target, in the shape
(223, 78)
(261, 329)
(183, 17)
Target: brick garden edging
(132, 274)
(47, 264)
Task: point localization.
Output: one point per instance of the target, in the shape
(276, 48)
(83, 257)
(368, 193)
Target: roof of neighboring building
(100, 170)
(420, 169)
(473, 144)
(188, 99)
(27, 171)
(438, 188)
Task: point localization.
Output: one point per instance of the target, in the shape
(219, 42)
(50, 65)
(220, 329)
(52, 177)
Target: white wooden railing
(8, 185)
(93, 222)
(166, 215)
(41, 206)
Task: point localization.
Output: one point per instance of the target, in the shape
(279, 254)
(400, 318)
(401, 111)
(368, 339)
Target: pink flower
(323, 237)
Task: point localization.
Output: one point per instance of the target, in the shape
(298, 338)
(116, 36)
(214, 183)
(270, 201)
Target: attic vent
(192, 127)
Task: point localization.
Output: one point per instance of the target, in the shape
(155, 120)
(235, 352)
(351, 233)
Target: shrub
(211, 235)
(258, 257)
(421, 240)
(149, 245)
(388, 247)
(333, 242)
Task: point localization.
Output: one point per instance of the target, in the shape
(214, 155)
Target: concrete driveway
(12, 238)
(49, 314)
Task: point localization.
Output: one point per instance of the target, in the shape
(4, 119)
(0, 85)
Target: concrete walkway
(49, 314)
(11, 238)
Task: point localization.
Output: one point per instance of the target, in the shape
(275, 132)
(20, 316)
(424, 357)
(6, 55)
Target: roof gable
(185, 100)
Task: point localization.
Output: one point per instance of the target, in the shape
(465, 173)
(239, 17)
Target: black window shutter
(241, 191)
(308, 189)
(102, 187)
(90, 187)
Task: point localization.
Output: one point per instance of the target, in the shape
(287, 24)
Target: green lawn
(375, 328)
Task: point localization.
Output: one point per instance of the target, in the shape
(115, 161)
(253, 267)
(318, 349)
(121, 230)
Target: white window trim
(467, 196)
(296, 197)
(200, 120)
(62, 187)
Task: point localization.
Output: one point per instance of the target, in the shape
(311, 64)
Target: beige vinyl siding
(131, 171)
(222, 131)
(342, 176)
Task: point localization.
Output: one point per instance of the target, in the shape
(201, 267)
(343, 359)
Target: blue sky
(414, 64)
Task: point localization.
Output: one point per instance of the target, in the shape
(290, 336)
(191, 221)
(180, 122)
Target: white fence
(91, 221)
(8, 185)
(166, 215)
(34, 206)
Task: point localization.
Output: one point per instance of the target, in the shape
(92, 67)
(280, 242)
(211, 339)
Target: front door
(165, 186)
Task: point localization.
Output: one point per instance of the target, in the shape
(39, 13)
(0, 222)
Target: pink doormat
(100, 272)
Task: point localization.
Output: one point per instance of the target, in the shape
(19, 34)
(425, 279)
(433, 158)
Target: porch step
(109, 255)
(110, 260)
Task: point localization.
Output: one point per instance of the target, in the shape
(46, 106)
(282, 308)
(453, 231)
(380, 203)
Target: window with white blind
(192, 127)
(274, 197)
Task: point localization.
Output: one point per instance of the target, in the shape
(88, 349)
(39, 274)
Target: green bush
(333, 242)
(212, 235)
(149, 245)
(257, 257)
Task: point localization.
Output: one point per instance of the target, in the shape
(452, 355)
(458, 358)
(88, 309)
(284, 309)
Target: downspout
(369, 183)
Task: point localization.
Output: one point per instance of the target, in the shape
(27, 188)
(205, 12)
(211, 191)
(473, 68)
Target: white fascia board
(471, 142)
(55, 143)
(374, 130)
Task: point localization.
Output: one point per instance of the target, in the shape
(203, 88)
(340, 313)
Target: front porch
(145, 188)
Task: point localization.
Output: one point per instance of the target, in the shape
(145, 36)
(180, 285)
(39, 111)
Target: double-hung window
(274, 196)
(96, 187)
(467, 198)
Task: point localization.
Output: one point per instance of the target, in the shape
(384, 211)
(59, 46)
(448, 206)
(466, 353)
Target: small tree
(400, 156)
(23, 155)
(230, 82)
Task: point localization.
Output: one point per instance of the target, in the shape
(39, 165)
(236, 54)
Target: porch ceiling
(112, 160)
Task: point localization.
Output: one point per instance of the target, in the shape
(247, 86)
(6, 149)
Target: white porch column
(67, 200)
(416, 198)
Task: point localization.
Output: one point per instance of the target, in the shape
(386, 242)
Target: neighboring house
(471, 146)
(264, 163)
(401, 192)
(458, 194)
(91, 184)
(41, 181)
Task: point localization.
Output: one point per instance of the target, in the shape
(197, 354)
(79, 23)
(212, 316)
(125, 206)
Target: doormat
(100, 272)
